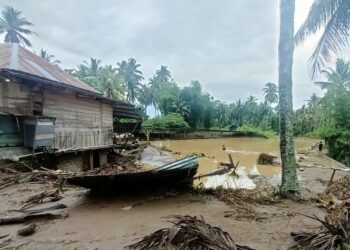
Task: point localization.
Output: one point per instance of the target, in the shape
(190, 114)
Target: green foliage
(328, 117)
(258, 131)
(171, 121)
(132, 76)
(339, 146)
(345, 246)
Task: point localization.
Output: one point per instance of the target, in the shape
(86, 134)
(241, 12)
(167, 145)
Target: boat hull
(178, 174)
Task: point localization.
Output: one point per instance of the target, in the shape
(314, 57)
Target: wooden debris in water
(266, 159)
(187, 233)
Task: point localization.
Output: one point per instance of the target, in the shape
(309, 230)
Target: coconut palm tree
(110, 83)
(290, 183)
(338, 78)
(47, 57)
(271, 93)
(334, 18)
(181, 107)
(163, 75)
(145, 96)
(313, 103)
(92, 67)
(132, 78)
(15, 27)
(221, 114)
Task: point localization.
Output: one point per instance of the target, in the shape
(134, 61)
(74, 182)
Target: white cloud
(230, 46)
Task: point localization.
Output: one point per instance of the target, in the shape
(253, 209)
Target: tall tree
(47, 57)
(110, 83)
(222, 114)
(181, 107)
(338, 78)
(145, 97)
(290, 184)
(334, 17)
(132, 78)
(163, 75)
(271, 93)
(15, 27)
(93, 66)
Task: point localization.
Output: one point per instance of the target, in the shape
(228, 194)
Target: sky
(229, 46)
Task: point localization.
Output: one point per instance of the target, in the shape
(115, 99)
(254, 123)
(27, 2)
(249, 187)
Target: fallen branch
(38, 198)
(26, 217)
(40, 210)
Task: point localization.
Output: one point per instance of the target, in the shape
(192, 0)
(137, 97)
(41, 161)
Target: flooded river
(245, 150)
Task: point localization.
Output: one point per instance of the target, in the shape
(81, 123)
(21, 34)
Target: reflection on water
(243, 150)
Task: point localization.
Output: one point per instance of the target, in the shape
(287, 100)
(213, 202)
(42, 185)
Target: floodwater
(243, 150)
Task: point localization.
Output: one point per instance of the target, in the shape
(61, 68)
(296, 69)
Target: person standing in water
(223, 148)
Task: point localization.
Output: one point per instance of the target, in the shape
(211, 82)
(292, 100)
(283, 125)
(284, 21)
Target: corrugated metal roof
(15, 57)
(125, 110)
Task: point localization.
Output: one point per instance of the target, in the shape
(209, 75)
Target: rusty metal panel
(15, 57)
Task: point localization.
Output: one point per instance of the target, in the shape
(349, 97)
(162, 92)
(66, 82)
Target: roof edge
(27, 76)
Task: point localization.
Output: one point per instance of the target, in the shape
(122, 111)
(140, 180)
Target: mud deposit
(114, 222)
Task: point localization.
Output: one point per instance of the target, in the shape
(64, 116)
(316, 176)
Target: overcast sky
(230, 46)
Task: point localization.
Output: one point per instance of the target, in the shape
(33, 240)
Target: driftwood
(40, 210)
(266, 159)
(38, 198)
(26, 217)
(27, 230)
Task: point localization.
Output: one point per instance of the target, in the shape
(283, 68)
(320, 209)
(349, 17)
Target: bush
(258, 131)
(339, 146)
(171, 121)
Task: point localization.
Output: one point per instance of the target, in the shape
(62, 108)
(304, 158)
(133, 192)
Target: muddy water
(244, 150)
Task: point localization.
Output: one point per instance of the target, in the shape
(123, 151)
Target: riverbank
(114, 222)
(203, 134)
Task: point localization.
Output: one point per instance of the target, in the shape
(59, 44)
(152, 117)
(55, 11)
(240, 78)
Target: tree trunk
(290, 183)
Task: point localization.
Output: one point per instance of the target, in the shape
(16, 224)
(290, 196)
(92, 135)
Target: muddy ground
(114, 222)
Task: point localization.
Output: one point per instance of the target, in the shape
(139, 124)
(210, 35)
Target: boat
(177, 174)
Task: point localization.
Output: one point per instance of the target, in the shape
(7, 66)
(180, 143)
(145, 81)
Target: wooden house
(43, 108)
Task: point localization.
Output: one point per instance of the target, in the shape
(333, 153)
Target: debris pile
(334, 233)
(12, 176)
(338, 189)
(125, 161)
(122, 164)
(188, 232)
(266, 159)
(246, 198)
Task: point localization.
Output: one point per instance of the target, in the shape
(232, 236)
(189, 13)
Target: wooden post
(91, 160)
(332, 177)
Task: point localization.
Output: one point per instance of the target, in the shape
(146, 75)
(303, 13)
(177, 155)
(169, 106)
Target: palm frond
(320, 12)
(186, 233)
(334, 16)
